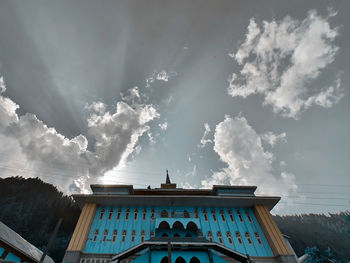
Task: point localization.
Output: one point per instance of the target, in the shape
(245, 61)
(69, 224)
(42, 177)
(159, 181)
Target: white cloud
(248, 163)
(272, 138)
(161, 76)
(204, 140)
(280, 61)
(115, 135)
(163, 126)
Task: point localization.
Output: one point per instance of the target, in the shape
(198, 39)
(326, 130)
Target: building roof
(15, 241)
(218, 196)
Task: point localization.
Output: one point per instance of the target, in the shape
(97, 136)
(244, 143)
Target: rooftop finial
(167, 178)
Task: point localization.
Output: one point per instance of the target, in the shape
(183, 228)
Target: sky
(217, 92)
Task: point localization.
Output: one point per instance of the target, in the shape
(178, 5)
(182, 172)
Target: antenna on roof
(167, 181)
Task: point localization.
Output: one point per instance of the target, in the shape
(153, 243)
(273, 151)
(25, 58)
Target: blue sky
(218, 92)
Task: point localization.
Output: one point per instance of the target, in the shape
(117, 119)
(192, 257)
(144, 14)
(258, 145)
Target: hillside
(32, 207)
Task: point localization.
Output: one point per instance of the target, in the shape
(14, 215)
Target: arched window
(102, 213)
(180, 260)
(229, 237)
(164, 213)
(219, 236)
(135, 213)
(196, 213)
(133, 235)
(123, 235)
(248, 238)
(205, 215)
(222, 214)
(105, 234)
(164, 225)
(164, 260)
(176, 235)
(210, 236)
(144, 212)
(191, 226)
(127, 214)
(239, 215)
(152, 233)
(248, 216)
(114, 237)
(152, 214)
(186, 214)
(165, 235)
(143, 233)
(239, 238)
(231, 216)
(178, 225)
(119, 212)
(258, 238)
(94, 239)
(194, 260)
(110, 214)
(213, 215)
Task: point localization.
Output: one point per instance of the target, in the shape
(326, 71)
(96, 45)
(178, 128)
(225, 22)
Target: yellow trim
(273, 234)
(82, 228)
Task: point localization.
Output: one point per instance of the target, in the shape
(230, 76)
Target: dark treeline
(32, 208)
(325, 232)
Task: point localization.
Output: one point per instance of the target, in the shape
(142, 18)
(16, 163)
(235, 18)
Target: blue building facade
(169, 224)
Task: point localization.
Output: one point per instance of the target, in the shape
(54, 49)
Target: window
(213, 214)
(229, 237)
(258, 238)
(248, 238)
(133, 234)
(94, 239)
(205, 215)
(248, 216)
(231, 216)
(102, 213)
(219, 236)
(172, 214)
(222, 215)
(186, 214)
(127, 214)
(152, 214)
(144, 212)
(110, 214)
(135, 213)
(105, 234)
(239, 238)
(123, 235)
(152, 233)
(210, 236)
(114, 237)
(240, 215)
(143, 233)
(164, 213)
(118, 214)
(196, 213)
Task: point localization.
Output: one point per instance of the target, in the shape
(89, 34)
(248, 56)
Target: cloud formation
(272, 139)
(281, 59)
(115, 135)
(248, 163)
(204, 139)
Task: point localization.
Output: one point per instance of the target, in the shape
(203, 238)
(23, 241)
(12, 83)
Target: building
(224, 224)
(14, 248)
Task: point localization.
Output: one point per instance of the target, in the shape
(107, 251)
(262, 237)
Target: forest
(32, 208)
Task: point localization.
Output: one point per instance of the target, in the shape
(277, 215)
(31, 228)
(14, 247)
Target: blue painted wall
(12, 257)
(148, 225)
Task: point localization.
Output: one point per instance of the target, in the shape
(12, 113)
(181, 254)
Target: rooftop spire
(167, 181)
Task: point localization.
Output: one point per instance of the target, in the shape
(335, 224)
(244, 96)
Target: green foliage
(316, 256)
(32, 208)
